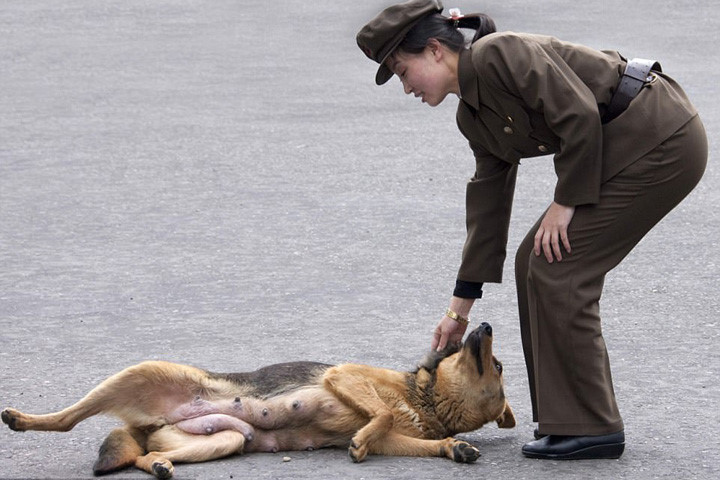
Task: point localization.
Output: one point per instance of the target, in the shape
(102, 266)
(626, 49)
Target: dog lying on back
(177, 413)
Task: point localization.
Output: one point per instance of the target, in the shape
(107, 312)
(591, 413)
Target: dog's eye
(498, 367)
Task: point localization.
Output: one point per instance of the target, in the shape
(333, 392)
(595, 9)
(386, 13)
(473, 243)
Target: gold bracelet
(458, 318)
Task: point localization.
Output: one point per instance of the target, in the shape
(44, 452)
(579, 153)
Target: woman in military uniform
(628, 146)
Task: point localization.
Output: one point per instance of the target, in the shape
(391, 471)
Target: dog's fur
(177, 413)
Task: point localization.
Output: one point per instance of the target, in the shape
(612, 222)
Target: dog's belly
(309, 437)
(306, 418)
(215, 422)
(289, 409)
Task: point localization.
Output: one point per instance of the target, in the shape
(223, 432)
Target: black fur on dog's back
(276, 379)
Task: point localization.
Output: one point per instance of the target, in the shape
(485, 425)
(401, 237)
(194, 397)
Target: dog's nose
(486, 328)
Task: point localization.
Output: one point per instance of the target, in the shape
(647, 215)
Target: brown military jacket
(526, 95)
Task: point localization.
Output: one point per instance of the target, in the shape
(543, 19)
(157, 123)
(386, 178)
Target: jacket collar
(467, 78)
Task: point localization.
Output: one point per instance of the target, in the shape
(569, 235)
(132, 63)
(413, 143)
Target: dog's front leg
(360, 395)
(402, 445)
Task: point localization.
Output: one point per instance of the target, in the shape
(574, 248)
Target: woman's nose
(406, 87)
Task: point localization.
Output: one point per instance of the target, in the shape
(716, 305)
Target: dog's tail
(120, 450)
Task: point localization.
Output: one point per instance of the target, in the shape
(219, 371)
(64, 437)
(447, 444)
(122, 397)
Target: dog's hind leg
(402, 445)
(61, 421)
(359, 394)
(169, 444)
(140, 395)
(119, 450)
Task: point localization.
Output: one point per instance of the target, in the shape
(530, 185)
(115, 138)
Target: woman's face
(426, 74)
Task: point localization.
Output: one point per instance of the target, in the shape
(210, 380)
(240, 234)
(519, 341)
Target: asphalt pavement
(220, 183)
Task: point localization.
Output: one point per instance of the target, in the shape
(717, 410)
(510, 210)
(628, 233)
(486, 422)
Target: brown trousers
(568, 368)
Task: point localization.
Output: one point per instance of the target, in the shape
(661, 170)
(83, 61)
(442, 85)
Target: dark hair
(445, 30)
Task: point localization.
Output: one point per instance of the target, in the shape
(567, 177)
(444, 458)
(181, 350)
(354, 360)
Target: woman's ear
(435, 48)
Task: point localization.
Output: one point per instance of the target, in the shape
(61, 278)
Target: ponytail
(446, 31)
(481, 23)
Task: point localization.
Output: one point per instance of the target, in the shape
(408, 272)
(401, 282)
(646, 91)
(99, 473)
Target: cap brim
(383, 74)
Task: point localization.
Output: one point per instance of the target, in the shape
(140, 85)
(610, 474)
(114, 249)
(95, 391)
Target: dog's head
(471, 382)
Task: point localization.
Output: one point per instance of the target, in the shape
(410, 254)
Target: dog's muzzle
(474, 343)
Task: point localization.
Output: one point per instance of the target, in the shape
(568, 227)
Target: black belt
(637, 74)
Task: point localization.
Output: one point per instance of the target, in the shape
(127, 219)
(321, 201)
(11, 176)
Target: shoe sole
(611, 451)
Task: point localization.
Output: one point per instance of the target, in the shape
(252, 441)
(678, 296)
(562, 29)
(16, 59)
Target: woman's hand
(449, 330)
(553, 231)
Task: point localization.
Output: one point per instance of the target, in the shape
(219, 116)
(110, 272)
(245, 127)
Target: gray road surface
(220, 183)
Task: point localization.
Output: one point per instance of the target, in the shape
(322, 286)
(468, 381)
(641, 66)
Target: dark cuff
(465, 289)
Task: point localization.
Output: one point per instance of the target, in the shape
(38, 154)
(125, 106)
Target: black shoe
(560, 447)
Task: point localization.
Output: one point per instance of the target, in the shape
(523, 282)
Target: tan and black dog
(177, 413)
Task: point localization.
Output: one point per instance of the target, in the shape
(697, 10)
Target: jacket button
(543, 148)
(508, 130)
(510, 119)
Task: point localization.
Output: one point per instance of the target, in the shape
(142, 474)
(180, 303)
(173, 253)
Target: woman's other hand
(553, 232)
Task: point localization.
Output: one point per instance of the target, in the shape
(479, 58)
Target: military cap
(382, 35)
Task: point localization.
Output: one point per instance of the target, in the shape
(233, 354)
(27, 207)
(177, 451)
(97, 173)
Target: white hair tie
(455, 16)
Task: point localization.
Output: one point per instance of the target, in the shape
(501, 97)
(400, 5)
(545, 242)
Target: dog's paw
(10, 418)
(357, 452)
(163, 470)
(463, 452)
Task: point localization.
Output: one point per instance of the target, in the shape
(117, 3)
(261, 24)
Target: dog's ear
(507, 418)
